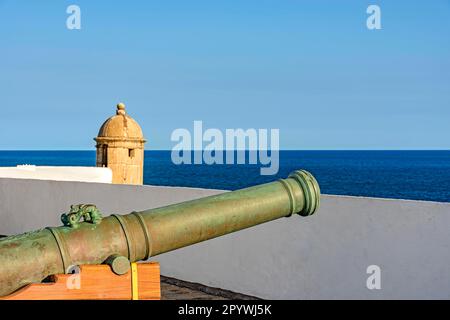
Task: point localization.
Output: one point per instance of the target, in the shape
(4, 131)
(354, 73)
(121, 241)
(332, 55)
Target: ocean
(416, 175)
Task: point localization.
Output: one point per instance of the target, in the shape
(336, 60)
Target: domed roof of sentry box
(121, 126)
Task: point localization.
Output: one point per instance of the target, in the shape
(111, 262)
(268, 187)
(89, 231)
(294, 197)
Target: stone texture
(175, 289)
(120, 147)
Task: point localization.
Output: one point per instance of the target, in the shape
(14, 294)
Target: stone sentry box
(120, 147)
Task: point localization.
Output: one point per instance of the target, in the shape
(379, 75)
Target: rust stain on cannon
(88, 238)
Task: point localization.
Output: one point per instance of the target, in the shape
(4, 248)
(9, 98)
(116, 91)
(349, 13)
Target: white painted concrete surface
(320, 257)
(80, 174)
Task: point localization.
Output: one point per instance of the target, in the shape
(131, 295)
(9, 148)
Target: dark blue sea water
(420, 175)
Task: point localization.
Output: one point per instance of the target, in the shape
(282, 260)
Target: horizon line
(169, 150)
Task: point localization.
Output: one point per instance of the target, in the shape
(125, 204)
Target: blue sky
(309, 68)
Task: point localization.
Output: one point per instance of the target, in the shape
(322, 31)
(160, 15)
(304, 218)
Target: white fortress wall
(324, 256)
(81, 174)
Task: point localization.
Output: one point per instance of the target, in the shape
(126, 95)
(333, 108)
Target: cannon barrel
(31, 257)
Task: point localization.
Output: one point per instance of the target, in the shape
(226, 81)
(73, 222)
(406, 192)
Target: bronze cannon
(87, 238)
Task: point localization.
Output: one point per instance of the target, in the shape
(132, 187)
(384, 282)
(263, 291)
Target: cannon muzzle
(88, 238)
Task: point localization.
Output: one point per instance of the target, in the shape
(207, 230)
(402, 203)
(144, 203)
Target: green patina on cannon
(31, 257)
(88, 212)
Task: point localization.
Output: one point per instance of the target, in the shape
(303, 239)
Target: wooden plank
(95, 282)
(149, 282)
